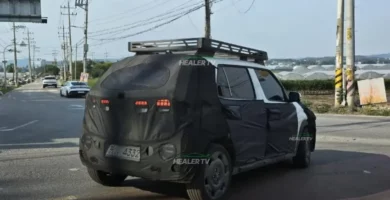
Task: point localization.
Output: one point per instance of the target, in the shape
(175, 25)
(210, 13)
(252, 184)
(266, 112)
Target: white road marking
(23, 125)
(367, 172)
(76, 106)
(55, 141)
(66, 198)
(24, 101)
(74, 169)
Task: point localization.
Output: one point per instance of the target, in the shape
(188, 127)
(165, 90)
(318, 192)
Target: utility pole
(15, 58)
(70, 38)
(350, 50)
(35, 49)
(75, 63)
(55, 53)
(84, 5)
(208, 19)
(64, 49)
(339, 53)
(29, 52)
(106, 55)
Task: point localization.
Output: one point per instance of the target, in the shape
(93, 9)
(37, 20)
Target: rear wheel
(61, 93)
(55, 86)
(303, 155)
(214, 178)
(105, 178)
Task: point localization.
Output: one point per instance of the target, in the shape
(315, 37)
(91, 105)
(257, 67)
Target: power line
(247, 10)
(120, 14)
(144, 24)
(181, 6)
(152, 28)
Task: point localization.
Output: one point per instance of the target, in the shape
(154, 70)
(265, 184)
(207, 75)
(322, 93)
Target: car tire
(67, 94)
(55, 86)
(106, 179)
(220, 172)
(43, 86)
(61, 95)
(302, 157)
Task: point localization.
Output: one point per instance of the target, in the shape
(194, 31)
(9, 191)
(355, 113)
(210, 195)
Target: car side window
(234, 82)
(271, 87)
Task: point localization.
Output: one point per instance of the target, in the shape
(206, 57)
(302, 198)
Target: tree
(10, 68)
(52, 70)
(99, 69)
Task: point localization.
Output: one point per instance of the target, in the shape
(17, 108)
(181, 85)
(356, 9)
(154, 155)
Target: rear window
(78, 83)
(140, 77)
(50, 78)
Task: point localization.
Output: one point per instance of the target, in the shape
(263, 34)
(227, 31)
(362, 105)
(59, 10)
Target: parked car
(192, 119)
(49, 81)
(74, 88)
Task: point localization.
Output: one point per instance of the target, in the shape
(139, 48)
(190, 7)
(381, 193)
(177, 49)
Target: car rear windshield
(50, 78)
(140, 77)
(78, 83)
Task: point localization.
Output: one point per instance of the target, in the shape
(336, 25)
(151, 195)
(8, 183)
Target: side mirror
(294, 96)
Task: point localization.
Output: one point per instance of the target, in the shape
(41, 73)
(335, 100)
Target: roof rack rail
(202, 46)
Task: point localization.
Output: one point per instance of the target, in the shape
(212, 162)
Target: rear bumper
(78, 92)
(50, 83)
(151, 167)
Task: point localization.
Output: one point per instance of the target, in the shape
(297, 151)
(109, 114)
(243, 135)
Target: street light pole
(5, 65)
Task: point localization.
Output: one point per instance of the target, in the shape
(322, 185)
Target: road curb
(356, 140)
(350, 115)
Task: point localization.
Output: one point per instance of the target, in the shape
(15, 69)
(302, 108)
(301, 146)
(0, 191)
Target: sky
(283, 28)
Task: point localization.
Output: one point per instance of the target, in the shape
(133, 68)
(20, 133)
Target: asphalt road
(39, 133)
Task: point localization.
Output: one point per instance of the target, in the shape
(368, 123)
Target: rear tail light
(141, 103)
(163, 103)
(141, 106)
(104, 101)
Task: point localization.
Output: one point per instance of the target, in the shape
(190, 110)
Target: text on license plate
(124, 152)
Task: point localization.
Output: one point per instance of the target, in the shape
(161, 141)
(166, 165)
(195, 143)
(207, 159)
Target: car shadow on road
(332, 175)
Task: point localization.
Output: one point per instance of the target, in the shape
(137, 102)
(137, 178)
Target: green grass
(92, 82)
(5, 90)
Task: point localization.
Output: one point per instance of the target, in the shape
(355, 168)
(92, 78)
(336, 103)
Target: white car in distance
(49, 81)
(74, 88)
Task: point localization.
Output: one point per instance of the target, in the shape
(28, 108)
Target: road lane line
(74, 141)
(21, 126)
(66, 198)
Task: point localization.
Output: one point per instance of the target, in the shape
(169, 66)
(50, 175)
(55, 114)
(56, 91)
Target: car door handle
(230, 113)
(273, 114)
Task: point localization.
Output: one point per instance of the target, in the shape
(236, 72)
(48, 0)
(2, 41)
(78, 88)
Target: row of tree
(331, 60)
(10, 69)
(95, 69)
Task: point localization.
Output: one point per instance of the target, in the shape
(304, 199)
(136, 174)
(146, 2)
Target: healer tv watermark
(197, 61)
(192, 159)
(303, 137)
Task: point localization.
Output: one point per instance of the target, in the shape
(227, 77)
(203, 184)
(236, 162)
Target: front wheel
(303, 156)
(214, 178)
(106, 179)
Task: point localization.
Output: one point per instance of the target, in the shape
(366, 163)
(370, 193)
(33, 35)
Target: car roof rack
(201, 46)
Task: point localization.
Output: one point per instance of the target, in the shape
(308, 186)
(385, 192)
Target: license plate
(124, 152)
(80, 92)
